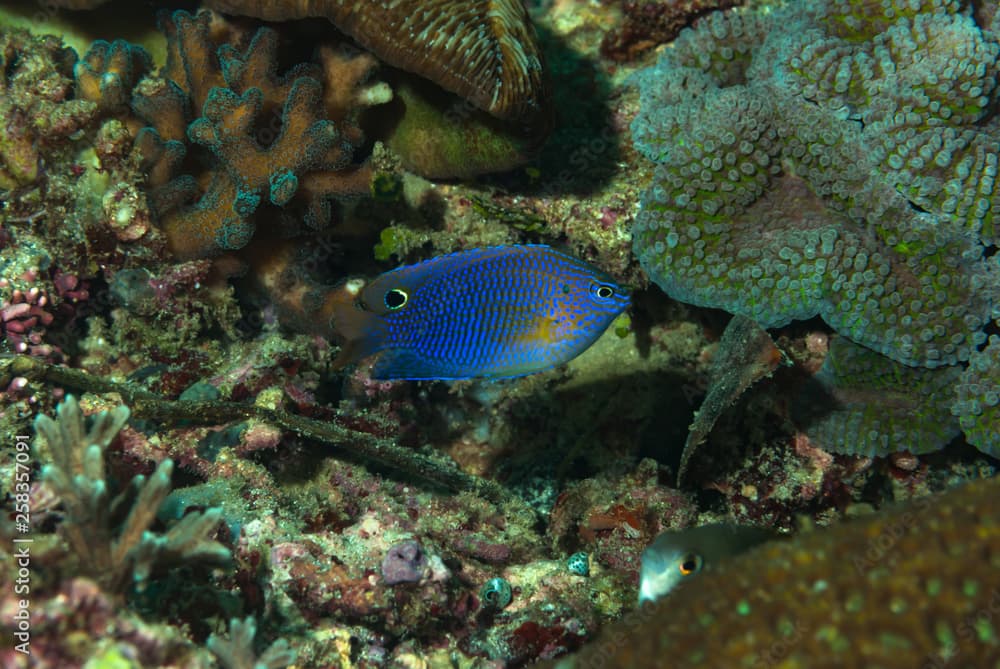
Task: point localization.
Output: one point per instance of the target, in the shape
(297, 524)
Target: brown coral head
(483, 50)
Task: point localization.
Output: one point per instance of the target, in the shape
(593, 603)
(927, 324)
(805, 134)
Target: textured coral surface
(826, 159)
(865, 593)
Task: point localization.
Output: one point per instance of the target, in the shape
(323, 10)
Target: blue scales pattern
(493, 312)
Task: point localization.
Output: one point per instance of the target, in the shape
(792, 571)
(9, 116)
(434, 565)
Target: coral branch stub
(482, 50)
(745, 355)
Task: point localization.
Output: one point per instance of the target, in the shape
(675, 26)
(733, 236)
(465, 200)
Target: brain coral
(829, 158)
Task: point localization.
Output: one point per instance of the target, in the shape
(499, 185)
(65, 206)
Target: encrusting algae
(915, 586)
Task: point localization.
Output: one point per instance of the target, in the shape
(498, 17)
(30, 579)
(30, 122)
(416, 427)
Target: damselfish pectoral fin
(406, 364)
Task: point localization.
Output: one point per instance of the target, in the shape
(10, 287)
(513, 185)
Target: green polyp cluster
(912, 412)
(392, 242)
(977, 405)
(839, 159)
(862, 20)
(771, 200)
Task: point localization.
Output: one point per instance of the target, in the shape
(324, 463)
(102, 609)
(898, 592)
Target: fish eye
(602, 291)
(690, 564)
(395, 299)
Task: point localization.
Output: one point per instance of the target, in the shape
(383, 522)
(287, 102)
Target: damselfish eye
(603, 291)
(395, 299)
(690, 564)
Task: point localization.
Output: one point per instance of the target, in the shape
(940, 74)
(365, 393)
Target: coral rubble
(37, 105)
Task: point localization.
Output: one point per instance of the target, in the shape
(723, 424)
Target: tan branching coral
(108, 72)
(110, 532)
(287, 140)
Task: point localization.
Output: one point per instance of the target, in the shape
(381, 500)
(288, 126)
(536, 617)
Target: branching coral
(288, 140)
(237, 652)
(830, 159)
(117, 557)
(108, 72)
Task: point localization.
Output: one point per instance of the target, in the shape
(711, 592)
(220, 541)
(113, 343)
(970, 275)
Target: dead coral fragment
(745, 355)
(114, 553)
(36, 112)
(647, 23)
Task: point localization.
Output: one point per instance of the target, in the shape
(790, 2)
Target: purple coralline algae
(404, 562)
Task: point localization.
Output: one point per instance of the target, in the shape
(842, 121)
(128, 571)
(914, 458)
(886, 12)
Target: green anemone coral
(977, 402)
(832, 159)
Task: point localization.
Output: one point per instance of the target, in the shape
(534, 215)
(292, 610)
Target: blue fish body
(494, 312)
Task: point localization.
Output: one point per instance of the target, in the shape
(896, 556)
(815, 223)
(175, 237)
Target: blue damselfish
(492, 312)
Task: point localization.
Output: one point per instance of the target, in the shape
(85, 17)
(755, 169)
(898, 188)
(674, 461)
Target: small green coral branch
(237, 652)
(117, 555)
(152, 407)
